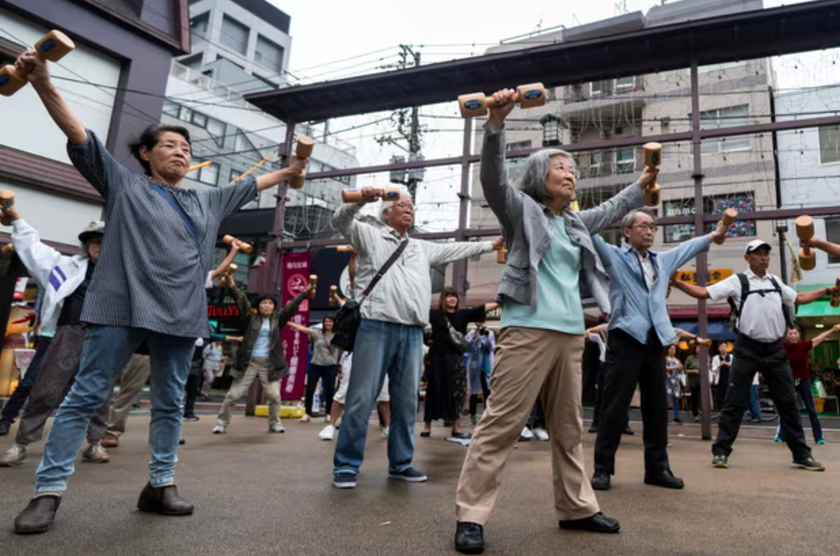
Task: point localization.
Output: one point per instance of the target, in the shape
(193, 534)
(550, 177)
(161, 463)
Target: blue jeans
(382, 348)
(755, 406)
(675, 403)
(12, 408)
(105, 352)
(803, 387)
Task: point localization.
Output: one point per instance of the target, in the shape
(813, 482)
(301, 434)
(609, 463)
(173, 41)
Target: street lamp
(552, 130)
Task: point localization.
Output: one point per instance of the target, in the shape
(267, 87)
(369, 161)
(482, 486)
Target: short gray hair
(388, 205)
(537, 167)
(630, 218)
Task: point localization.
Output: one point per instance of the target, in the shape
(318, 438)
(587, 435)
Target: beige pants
(256, 368)
(530, 362)
(133, 378)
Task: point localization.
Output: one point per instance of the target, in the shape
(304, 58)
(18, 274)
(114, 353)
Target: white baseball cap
(755, 244)
(96, 227)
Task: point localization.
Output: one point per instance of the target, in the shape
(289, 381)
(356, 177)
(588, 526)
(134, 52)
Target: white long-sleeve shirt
(404, 294)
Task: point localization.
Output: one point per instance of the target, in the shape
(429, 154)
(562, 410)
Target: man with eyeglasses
(389, 341)
(639, 330)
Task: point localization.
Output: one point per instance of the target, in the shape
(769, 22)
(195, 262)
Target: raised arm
(822, 337)
(360, 235)
(672, 260)
(223, 266)
(612, 210)
(816, 243)
(691, 290)
(38, 74)
(504, 200)
(440, 253)
(287, 312)
(38, 258)
(241, 299)
(299, 328)
(271, 179)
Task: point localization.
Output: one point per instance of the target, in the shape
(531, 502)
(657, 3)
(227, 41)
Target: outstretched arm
(299, 328)
(440, 253)
(234, 249)
(821, 338)
(804, 298)
(816, 243)
(690, 289)
(271, 179)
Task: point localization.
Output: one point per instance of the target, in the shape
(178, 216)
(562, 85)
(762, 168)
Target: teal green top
(559, 306)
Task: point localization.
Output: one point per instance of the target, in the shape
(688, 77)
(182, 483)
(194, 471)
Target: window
(343, 179)
(235, 174)
(171, 109)
(625, 160)
(829, 144)
(742, 202)
(208, 174)
(723, 118)
(234, 35)
(199, 119)
(268, 54)
(596, 88)
(217, 129)
(186, 114)
(719, 67)
(595, 162)
(200, 25)
(518, 146)
(832, 234)
(624, 84)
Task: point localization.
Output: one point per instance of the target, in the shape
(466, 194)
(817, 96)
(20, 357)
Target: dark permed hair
(150, 137)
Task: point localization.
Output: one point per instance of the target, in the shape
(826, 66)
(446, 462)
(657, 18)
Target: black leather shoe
(628, 431)
(38, 516)
(600, 480)
(4, 428)
(469, 538)
(665, 479)
(598, 523)
(163, 500)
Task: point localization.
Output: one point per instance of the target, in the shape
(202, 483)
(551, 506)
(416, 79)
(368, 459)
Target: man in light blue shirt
(639, 330)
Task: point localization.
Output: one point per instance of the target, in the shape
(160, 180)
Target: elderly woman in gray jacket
(539, 348)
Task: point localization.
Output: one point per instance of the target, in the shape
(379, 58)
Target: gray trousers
(58, 372)
(132, 379)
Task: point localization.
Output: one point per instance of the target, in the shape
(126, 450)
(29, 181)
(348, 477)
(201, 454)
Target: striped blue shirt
(151, 271)
(635, 307)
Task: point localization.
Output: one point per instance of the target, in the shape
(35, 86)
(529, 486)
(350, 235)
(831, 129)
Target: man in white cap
(764, 307)
(66, 280)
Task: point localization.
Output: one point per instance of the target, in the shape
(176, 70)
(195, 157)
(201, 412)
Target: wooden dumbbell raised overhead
(835, 298)
(232, 267)
(54, 46)
(805, 231)
(653, 158)
(244, 247)
(333, 295)
(304, 150)
(7, 199)
(729, 216)
(313, 279)
(527, 96)
(355, 195)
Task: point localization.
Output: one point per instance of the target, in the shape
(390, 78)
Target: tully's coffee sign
(713, 275)
(223, 311)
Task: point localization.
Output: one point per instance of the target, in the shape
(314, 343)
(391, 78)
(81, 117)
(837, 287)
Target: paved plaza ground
(258, 493)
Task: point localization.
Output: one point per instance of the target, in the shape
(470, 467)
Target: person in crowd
(212, 358)
(383, 401)
(599, 335)
(762, 322)
(540, 346)
(260, 355)
(446, 388)
(196, 374)
(18, 398)
(323, 367)
(536, 426)
(639, 329)
(147, 291)
(673, 381)
(719, 377)
(798, 352)
(66, 279)
(482, 344)
(692, 371)
(390, 335)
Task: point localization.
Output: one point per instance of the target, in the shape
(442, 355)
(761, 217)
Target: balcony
(603, 98)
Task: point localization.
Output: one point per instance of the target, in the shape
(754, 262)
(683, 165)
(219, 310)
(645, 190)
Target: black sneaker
(720, 461)
(628, 431)
(4, 427)
(809, 464)
(600, 480)
(190, 417)
(665, 479)
(598, 523)
(678, 421)
(344, 480)
(593, 429)
(469, 538)
(409, 475)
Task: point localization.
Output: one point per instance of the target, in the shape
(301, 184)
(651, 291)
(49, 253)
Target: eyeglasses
(404, 206)
(646, 227)
(565, 168)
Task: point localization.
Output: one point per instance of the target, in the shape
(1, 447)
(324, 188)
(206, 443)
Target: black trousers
(193, 388)
(474, 397)
(596, 411)
(628, 363)
(752, 356)
(328, 375)
(695, 399)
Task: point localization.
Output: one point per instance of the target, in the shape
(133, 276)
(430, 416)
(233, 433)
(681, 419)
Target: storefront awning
(717, 329)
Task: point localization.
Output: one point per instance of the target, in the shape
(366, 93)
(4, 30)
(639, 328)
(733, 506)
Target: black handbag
(349, 316)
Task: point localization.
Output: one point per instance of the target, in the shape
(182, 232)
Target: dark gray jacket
(528, 227)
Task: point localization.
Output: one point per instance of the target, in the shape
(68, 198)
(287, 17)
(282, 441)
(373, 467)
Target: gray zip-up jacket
(404, 294)
(528, 227)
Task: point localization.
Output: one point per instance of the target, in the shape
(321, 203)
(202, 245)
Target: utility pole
(408, 129)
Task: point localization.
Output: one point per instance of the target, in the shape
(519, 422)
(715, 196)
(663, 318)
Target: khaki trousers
(134, 377)
(530, 362)
(257, 368)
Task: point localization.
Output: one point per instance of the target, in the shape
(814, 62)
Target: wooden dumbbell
(303, 151)
(244, 247)
(54, 46)
(343, 248)
(729, 216)
(313, 279)
(653, 158)
(355, 195)
(8, 248)
(703, 342)
(835, 298)
(232, 267)
(527, 96)
(501, 256)
(805, 231)
(333, 295)
(7, 199)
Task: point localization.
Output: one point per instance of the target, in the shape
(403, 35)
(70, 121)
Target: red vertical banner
(295, 344)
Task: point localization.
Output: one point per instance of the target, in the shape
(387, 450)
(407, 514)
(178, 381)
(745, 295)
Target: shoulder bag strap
(177, 208)
(388, 264)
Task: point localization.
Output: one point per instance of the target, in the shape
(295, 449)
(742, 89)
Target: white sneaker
(276, 427)
(13, 456)
(306, 418)
(219, 429)
(526, 434)
(385, 432)
(328, 433)
(95, 453)
(541, 433)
